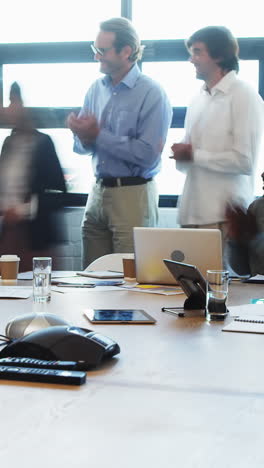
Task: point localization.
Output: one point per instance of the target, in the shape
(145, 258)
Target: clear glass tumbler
(42, 279)
(216, 294)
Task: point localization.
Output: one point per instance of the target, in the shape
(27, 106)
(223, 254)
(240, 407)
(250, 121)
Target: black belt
(121, 181)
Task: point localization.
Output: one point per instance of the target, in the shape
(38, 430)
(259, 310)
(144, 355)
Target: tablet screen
(119, 316)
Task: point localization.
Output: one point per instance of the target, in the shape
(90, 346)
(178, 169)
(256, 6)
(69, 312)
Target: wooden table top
(181, 392)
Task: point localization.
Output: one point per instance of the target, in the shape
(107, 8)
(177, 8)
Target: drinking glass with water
(216, 294)
(42, 279)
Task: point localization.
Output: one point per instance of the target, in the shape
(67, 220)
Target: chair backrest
(112, 262)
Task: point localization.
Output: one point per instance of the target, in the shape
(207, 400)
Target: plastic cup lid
(9, 258)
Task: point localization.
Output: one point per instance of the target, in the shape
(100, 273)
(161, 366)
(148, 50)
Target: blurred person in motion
(223, 130)
(29, 171)
(245, 230)
(123, 124)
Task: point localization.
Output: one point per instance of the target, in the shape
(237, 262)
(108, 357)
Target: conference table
(181, 393)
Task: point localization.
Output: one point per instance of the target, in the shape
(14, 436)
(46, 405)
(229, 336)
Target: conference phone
(63, 343)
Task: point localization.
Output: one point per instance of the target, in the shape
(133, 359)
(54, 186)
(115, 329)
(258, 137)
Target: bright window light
(51, 84)
(171, 20)
(54, 20)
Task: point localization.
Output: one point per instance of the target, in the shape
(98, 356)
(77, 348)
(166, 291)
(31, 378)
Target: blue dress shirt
(134, 118)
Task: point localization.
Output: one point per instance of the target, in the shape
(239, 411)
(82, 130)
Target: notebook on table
(246, 325)
(199, 247)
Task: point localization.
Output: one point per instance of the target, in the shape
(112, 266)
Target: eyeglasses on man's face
(100, 50)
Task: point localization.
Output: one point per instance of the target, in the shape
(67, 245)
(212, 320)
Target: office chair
(112, 262)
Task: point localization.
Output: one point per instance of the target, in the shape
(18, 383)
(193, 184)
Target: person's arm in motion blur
(241, 230)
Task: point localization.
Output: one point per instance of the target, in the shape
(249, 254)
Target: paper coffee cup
(129, 267)
(9, 265)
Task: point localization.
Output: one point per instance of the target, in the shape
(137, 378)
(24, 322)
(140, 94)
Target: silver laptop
(199, 247)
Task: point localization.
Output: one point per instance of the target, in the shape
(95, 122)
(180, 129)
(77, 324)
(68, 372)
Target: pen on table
(73, 285)
(56, 290)
(173, 311)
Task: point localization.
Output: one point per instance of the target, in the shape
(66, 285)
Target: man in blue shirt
(123, 124)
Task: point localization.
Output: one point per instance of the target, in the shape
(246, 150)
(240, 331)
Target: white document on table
(15, 292)
(153, 289)
(255, 279)
(28, 275)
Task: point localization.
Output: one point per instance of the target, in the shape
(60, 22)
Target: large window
(54, 20)
(180, 83)
(47, 50)
(169, 20)
(50, 84)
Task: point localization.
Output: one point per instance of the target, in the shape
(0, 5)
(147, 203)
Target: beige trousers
(110, 215)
